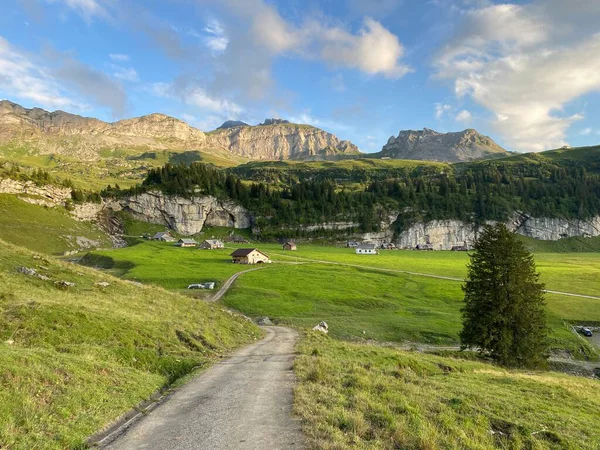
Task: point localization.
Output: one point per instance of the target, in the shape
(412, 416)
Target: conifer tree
(504, 311)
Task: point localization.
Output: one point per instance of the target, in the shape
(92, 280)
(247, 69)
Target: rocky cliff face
(68, 134)
(30, 192)
(430, 145)
(278, 141)
(63, 133)
(186, 216)
(444, 234)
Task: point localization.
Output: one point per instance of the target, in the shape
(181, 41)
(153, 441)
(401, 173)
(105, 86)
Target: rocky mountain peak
(275, 122)
(232, 124)
(428, 144)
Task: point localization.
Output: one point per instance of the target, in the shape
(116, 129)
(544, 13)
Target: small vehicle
(207, 285)
(586, 332)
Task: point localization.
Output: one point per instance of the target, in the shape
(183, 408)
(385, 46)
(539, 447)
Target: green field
(359, 296)
(353, 396)
(73, 360)
(47, 230)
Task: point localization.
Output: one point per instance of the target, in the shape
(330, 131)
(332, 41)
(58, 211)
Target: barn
(249, 256)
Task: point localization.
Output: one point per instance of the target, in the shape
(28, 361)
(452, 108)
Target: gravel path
(244, 402)
(221, 292)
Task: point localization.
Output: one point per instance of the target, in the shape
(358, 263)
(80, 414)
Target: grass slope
(359, 303)
(365, 397)
(73, 360)
(47, 230)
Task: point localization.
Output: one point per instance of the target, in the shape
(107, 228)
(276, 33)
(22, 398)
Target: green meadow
(357, 396)
(74, 359)
(360, 296)
(47, 230)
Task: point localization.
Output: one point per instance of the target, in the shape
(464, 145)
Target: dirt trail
(244, 402)
(221, 292)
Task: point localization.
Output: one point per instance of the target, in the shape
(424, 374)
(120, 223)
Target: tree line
(475, 192)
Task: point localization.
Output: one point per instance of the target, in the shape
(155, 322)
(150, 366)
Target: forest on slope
(541, 185)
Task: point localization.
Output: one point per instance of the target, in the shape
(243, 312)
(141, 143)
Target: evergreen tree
(504, 312)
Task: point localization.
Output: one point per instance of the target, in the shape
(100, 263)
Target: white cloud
(441, 109)
(215, 109)
(198, 97)
(119, 57)
(373, 49)
(126, 74)
(308, 119)
(525, 64)
(216, 40)
(464, 117)
(21, 77)
(85, 8)
(586, 132)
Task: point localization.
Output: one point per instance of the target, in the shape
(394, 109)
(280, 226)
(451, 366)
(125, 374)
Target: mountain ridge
(63, 133)
(428, 144)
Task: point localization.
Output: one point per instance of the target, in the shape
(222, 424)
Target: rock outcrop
(186, 215)
(28, 191)
(430, 145)
(279, 141)
(445, 234)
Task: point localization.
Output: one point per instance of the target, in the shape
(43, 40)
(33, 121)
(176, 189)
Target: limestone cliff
(444, 234)
(280, 140)
(186, 216)
(430, 145)
(30, 192)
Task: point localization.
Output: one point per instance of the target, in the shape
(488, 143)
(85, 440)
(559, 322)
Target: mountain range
(84, 138)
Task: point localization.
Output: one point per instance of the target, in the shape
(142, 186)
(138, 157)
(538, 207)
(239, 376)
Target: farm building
(388, 246)
(460, 248)
(249, 256)
(212, 244)
(290, 246)
(186, 243)
(352, 244)
(366, 249)
(164, 236)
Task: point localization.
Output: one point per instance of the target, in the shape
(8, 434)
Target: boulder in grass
(264, 321)
(322, 327)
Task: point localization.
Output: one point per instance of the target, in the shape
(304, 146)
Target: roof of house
(187, 241)
(240, 252)
(293, 244)
(213, 241)
(161, 234)
(367, 246)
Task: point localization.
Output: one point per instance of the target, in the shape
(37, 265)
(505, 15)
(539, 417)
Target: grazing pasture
(361, 296)
(357, 396)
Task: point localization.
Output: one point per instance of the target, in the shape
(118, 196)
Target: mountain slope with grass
(46, 230)
(357, 396)
(73, 358)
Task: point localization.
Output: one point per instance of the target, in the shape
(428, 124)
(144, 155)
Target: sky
(525, 73)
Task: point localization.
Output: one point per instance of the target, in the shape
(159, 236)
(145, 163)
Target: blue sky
(526, 73)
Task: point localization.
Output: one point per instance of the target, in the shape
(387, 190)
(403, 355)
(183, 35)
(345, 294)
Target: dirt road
(221, 292)
(244, 402)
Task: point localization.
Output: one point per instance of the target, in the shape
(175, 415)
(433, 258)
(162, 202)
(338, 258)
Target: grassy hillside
(46, 230)
(365, 397)
(372, 301)
(73, 359)
(123, 166)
